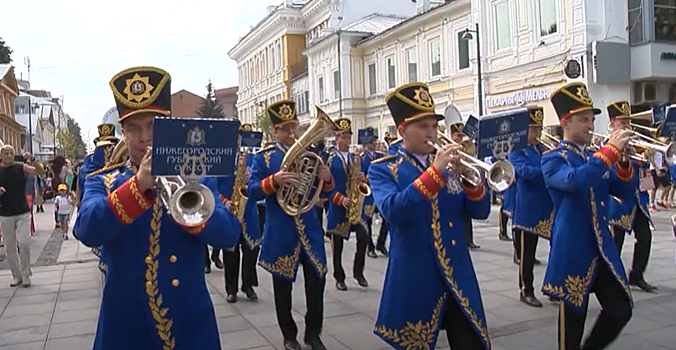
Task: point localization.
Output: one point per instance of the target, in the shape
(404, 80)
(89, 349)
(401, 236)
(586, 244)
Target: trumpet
(498, 176)
(641, 142)
(549, 141)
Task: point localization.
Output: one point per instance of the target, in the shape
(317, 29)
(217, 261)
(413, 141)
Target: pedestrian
(15, 213)
(30, 188)
(63, 204)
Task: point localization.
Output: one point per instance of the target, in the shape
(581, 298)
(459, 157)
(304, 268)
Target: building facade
(270, 56)
(10, 130)
(185, 104)
(227, 99)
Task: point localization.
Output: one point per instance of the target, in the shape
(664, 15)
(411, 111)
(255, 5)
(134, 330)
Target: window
(665, 20)
(547, 17)
(503, 29)
(635, 21)
(320, 84)
(336, 85)
(435, 57)
(412, 64)
(463, 52)
(391, 73)
(372, 79)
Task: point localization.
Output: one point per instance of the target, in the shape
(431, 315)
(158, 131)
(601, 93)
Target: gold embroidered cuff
(430, 182)
(337, 198)
(127, 201)
(608, 155)
(474, 194)
(268, 185)
(328, 186)
(625, 173)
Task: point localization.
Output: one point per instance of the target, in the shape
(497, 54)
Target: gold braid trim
(306, 244)
(164, 324)
(266, 157)
(448, 273)
(136, 192)
(542, 229)
(576, 286)
(416, 336)
(285, 265)
(105, 168)
(119, 208)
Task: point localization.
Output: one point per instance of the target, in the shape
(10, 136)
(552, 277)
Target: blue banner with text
(251, 138)
(471, 128)
(193, 148)
(503, 132)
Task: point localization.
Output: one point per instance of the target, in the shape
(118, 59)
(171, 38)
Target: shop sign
(668, 56)
(519, 97)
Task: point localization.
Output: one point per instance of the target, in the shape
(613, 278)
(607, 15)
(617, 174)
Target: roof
(375, 23)
(4, 68)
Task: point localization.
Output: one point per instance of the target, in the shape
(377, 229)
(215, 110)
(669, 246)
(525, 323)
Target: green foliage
(209, 108)
(5, 53)
(70, 143)
(264, 124)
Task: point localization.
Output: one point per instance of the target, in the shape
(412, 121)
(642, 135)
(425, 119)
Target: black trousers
(516, 240)
(261, 217)
(382, 234)
(314, 300)
(528, 243)
(359, 255)
(207, 256)
(502, 221)
(231, 260)
(460, 333)
(642, 246)
(320, 215)
(616, 312)
(469, 231)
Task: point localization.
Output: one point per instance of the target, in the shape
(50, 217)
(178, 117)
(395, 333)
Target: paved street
(59, 311)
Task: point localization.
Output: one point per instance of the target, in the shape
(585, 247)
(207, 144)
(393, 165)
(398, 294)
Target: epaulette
(397, 141)
(553, 149)
(105, 168)
(265, 149)
(390, 157)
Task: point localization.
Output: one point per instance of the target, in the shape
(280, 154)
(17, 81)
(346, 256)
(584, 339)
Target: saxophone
(357, 191)
(239, 190)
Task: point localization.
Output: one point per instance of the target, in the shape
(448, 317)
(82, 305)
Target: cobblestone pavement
(59, 311)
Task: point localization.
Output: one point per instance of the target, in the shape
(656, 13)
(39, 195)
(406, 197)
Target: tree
(69, 139)
(5, 53)
(264, 124)
(209, 108)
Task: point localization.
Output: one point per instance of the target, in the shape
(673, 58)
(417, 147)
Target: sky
(76, 47)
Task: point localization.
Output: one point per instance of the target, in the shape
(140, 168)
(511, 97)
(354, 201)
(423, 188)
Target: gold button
(149, 260)
(452, 242)
(450, 224)
(172, 258)
(174, 283)
(603, 204)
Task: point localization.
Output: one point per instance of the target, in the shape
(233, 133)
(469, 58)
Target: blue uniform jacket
(622, 213)
(337, 222)
(429, 260)
(394, 147)
(286, 237)
(251, 230)
(154, 266)
(579, 184)
(534, 211)
(366, 158)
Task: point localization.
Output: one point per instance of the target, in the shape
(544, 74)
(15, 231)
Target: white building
(42, 118)
(270, 55)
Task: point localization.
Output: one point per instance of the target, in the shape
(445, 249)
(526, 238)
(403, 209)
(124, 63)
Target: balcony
(298, 69)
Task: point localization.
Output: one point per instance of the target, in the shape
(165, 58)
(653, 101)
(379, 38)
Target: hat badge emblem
(537, 116)
(625, 108)
(422, 97)
(285, 112)
(138, 88)
(583, 95)
(106, 130)
(344, 124)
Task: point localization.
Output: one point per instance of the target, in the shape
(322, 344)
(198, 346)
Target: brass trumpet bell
(189, 204)
(548, 140)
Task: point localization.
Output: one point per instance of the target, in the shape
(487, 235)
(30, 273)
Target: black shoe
(231, 298)
(207, 269)
(537, 262)
(362, 281)
(372, 254)
(315, 343)
(382, 250)
(250, 294)
(504, 237)
(218, 263)
(291, 344)
(473, 246)
(341, 286)
(643, 285)
(530, 300)
(516, 259)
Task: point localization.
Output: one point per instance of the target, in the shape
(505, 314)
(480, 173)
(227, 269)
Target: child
(63, 202)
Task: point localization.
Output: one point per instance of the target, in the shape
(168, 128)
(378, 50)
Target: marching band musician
(105, 143)
(341, 163)
(290, 240)
(631, 212)
(367, 156)
(424, 206)
(153, 262)
(250, 237)
(393, 143)
(506, 213)
(533, 213)
(469, 148)
(583, 257)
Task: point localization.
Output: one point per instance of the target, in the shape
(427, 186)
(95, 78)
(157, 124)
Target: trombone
(642, 142)
(499, 176)
(548, 140)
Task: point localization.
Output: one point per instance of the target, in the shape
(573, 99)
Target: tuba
(239, 191)
(357, 191)
(299, 198)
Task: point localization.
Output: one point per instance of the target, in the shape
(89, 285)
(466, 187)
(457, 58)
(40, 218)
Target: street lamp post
(30, 124)
(467, 35)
